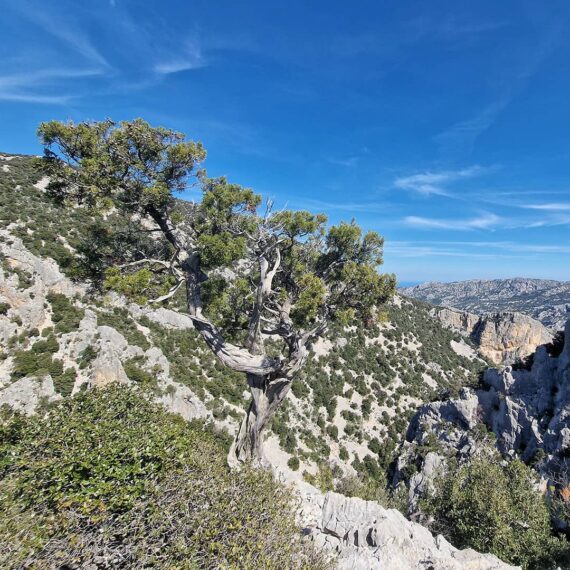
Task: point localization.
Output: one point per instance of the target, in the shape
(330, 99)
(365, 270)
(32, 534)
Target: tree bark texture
(267, 395)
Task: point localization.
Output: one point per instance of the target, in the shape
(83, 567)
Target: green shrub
(108, 471)
(120, 320)
(65, 315)
(27, 362)
(138, 375)
(87, 356)
(65, 381)
(293, 463)
(323, 478)
(495, 508)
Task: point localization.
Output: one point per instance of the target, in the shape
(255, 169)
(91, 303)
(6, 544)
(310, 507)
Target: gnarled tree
(260, 286)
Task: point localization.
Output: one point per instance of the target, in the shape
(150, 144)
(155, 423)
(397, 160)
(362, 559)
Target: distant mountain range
(545, 300)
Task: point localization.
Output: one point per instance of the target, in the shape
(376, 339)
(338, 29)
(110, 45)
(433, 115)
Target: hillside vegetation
(352, 401)
(108, 479)
(103, 474)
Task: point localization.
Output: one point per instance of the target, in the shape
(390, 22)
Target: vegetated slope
(350, 405)
(109, 480)
(545, 300)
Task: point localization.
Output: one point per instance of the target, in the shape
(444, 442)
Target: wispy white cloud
(434, 183)
(482, 222)
(462, 135)
(551, 207)
(477, 249)
(348, 161)
(190, 58)
(65, 30)
(30, 87)
(343, 206)
(407, 249)
(508, 246)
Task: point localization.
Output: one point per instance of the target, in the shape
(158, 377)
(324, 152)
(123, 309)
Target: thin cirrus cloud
(551, 207)
(30, 87)
(482, 222)
(63, 29)
(480, 249)
(192, 58)
(436, 183)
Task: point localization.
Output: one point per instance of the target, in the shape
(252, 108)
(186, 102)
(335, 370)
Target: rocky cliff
(545, 300)
(526, 411)
(503, 338)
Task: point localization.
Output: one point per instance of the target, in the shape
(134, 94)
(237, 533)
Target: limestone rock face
(527, 410)
(503, 338)
(362, 535)
(25, 394)
(29, 309)
(461, 321)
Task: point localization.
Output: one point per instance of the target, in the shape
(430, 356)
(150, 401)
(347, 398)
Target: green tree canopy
(250, 274)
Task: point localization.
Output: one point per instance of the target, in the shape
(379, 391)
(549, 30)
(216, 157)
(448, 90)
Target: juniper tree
(260, 285)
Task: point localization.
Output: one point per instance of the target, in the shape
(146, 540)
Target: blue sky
(444, 125)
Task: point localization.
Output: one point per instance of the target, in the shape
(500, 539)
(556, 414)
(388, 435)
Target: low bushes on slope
(494, 508)
(108, 478)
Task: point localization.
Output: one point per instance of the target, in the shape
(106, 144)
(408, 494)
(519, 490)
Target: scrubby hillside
(350, 405)
(109, 480)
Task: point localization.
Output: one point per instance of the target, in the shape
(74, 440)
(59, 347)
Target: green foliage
(494, 508)
(310, 299)
(64, 381)
(370, 489)
(37, 360)
(65, 315)
(135, 170)
(323, 479)
(88, 355)
(108, 467)
(25, 279)
(138, 375)
(117, 165)
(120, 320)
(293, 463)
(4, 308)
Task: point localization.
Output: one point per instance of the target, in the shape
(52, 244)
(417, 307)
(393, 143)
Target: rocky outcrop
(362, 535)
(503, 338)
(28, 309)
(528, 411)
(26, 394)
(543, 299)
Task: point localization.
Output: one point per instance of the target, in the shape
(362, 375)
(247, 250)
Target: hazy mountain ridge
(545, 300)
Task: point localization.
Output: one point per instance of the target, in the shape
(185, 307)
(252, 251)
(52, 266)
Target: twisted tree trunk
(267, 394)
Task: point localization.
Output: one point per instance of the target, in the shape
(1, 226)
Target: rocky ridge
(545, 300)
(503, 338)
(362, 535)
